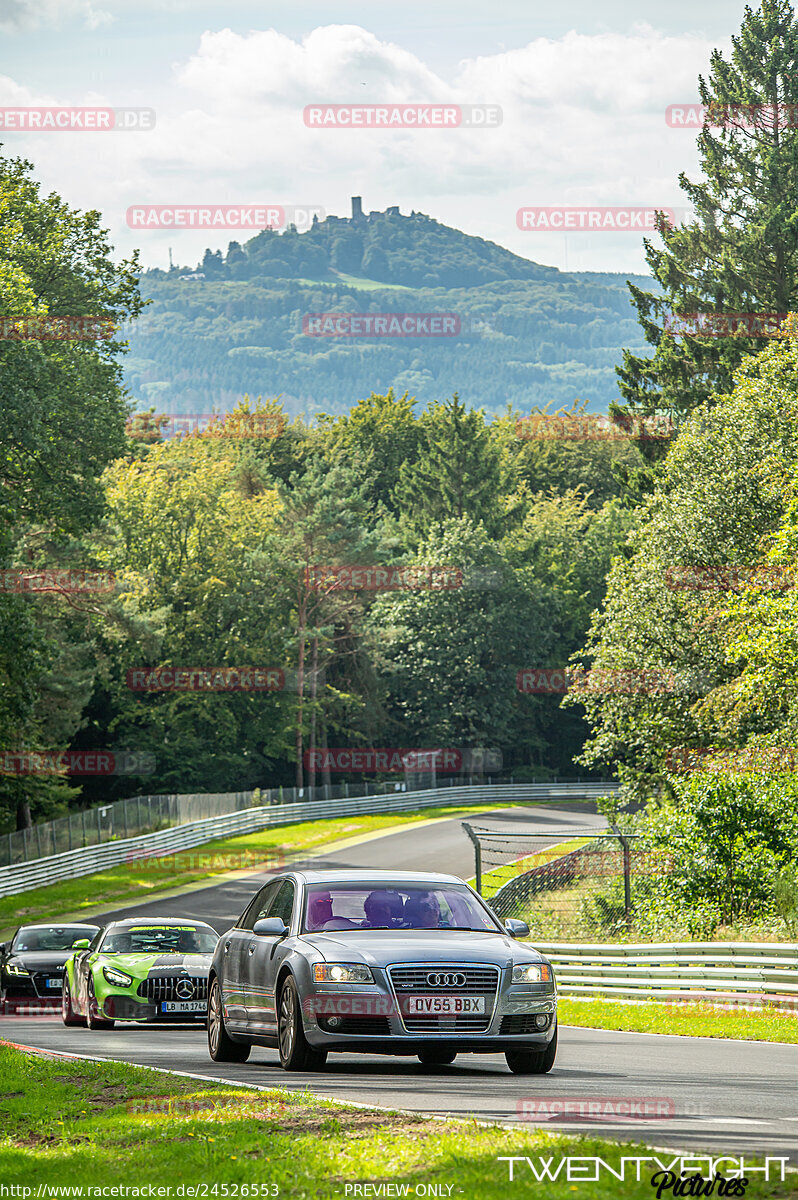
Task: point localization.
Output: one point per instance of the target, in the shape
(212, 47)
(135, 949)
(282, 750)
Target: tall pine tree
(741, 252)
(457, 473)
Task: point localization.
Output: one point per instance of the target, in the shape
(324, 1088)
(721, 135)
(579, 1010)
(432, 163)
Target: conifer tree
(740, 253)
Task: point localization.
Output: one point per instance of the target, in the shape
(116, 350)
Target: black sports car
(32, 964)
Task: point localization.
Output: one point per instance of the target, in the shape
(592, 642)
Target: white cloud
(583, 123)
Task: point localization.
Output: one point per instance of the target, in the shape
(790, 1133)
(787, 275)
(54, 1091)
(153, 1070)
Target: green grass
(497, 877)
(138, 880)
(688, 1018)
(357, 282)
(89, 1124)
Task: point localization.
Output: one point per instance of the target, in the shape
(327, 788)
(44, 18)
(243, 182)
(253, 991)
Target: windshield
(405, 906)
(160, 939)
(51, 937)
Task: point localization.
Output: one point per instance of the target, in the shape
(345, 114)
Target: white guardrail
(674, 970)
(86, 860)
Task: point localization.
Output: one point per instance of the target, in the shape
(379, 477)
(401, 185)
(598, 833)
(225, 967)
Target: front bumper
(339, 1017)
(122, 1006)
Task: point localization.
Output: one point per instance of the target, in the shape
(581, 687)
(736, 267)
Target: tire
(93, 1018)
(221, 1046)
(295, 1053)
(532, 1062)
(68, 1014)
(437, 1058)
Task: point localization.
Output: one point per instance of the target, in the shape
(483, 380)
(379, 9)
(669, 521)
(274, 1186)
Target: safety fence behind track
(724, 971)
(86, 860)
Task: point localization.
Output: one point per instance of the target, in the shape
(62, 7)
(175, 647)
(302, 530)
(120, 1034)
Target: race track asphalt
(736, 1098)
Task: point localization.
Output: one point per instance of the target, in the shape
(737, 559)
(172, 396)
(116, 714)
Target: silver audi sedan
(383, 962)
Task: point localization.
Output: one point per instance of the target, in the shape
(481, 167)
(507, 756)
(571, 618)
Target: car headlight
(13, 968)
(117, 978)
(342, 973)
(532, 973)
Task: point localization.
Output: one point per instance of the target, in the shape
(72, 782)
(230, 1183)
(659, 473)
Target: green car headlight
(342, 973)
(532, 973)
(16, 969)
(117, 978)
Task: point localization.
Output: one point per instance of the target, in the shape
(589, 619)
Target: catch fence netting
(586, 886)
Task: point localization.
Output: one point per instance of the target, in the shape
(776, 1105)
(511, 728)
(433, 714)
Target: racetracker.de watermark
(717, 325)
(731, 116)
(595, 1108)
(47, 328)
(740, 759)
(245, 860)
(609, 681)
(399, 325)
(222, 425)
(591, 427)
(594, 218)
(73, 583)
(729, 579)
(206, 679)
(69, 119)
(402, 116)
(76, 762)
(348, 577)
(223, 216)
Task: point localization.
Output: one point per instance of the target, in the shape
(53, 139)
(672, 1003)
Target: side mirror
(271, 927)
(81, 944)
(516, 929)
(3, 948)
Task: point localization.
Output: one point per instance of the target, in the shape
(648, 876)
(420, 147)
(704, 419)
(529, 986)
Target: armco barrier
(84, 861)
(676, 970)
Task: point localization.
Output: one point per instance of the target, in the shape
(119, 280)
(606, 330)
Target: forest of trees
(528, 334)
(661, 563)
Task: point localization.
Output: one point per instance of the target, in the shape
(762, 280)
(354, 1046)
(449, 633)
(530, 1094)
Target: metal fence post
(477, 856)
(627, 875)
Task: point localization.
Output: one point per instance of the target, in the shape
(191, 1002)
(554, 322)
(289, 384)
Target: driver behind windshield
(422, 911)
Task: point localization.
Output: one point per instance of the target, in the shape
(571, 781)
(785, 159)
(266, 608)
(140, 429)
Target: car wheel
(532, 1062)
(437, 1058)
(93, 1018)
(68, 1014)
(221, 1046)
(295, 1053)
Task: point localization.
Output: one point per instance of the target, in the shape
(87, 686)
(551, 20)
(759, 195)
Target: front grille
(39, 980)
(164, 987)
(479, 981)
(376, 1026)
(522, 1023)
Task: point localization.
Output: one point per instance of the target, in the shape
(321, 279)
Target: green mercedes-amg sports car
(139, 969)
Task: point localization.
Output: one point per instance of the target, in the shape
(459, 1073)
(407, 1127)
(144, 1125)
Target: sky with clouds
(582, 87)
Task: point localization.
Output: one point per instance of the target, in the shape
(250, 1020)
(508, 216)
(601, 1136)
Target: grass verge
(136, 881)
(690, 1019)
(111, 1124)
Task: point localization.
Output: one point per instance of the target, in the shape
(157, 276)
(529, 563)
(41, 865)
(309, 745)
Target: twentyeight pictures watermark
(69, 119)
(403, 116)
(223, 216)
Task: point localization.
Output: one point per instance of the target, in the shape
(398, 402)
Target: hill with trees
(528, 334)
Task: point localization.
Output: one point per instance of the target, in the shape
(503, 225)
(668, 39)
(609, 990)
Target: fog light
(541, 1020)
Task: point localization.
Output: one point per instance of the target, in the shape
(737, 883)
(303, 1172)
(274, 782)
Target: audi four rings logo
(446, 979)
(184, 989)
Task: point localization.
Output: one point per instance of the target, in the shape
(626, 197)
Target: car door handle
(252, 947)
(226, 947)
